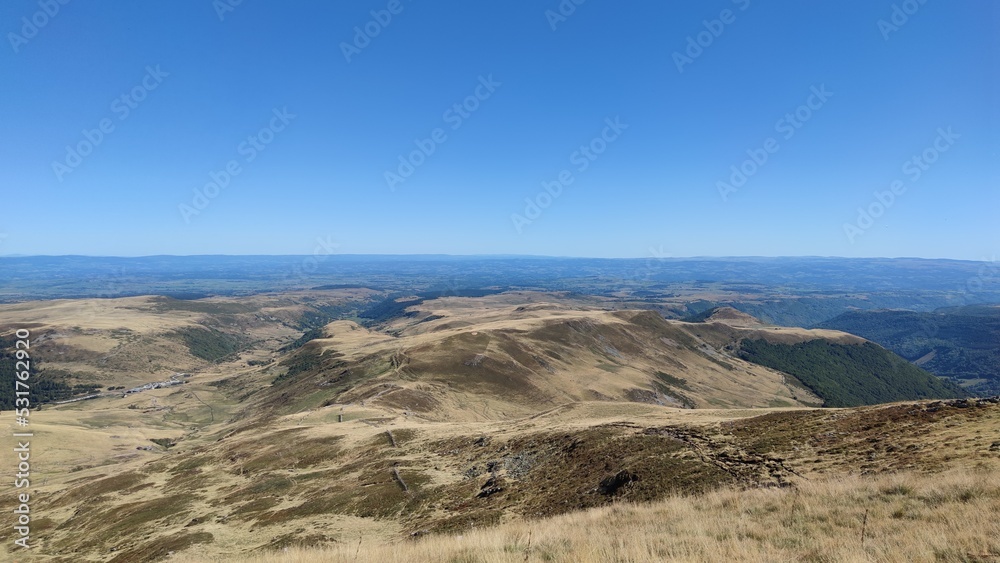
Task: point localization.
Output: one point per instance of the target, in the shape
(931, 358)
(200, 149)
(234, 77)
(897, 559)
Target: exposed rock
(611, 485)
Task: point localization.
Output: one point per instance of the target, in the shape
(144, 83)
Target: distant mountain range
(789, 291)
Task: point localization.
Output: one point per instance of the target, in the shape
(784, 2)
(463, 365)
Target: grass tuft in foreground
(912, 517)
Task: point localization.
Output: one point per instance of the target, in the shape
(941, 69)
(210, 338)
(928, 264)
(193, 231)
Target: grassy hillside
(481, 358)
(395, 305)
(727, 315)
(459, 414)
(961, 343)
(848, 375)
(852, 519)
(310, 479)
(210, 344)
(45, 385)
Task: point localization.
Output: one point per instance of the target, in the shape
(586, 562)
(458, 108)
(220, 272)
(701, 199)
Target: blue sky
(313, 119)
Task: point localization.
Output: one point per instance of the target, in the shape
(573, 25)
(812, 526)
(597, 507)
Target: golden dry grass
(910, 517)
(113, 476)
(89, 477)
(553, 353)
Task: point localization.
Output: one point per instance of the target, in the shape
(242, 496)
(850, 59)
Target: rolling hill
(850, 375)
(960, 343)
(450, 413)
(329, 476)
(489, 358)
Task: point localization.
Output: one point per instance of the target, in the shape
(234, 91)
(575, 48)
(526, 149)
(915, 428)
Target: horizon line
(489, 256)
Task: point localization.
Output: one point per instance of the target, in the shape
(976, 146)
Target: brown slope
(312, 481)
(477, 359)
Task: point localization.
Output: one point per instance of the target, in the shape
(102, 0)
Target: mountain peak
(726, 315)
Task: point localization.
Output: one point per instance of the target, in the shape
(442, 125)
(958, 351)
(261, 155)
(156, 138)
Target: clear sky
(317, 123)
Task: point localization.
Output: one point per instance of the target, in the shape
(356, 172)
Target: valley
(302, 424)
